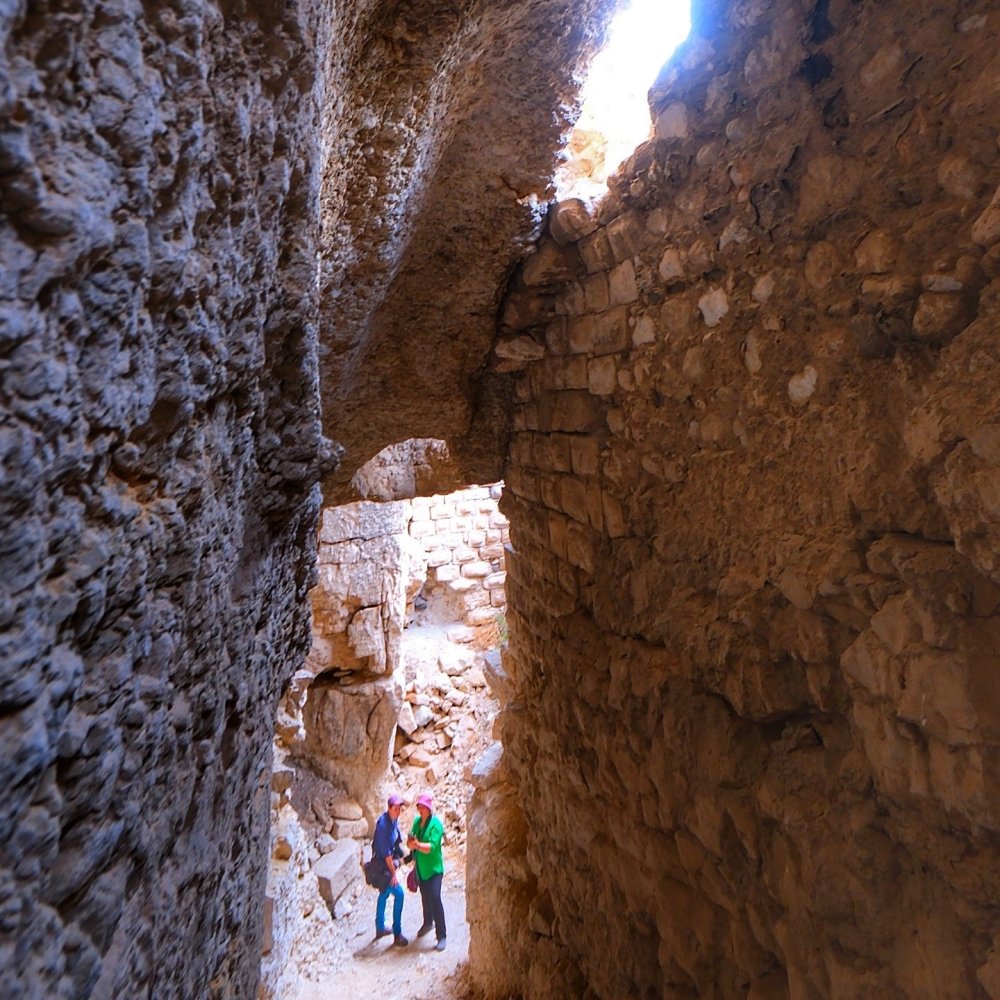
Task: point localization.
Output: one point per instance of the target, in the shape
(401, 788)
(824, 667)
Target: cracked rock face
(751, 724)
(442, 146)
(159, 451)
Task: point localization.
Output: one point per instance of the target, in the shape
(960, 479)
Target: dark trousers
(430, 896)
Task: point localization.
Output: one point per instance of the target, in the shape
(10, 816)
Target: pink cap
(425, 800)
(395, 800)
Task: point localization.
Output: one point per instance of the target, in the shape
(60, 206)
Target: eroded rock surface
(441, 158)
(159, 452)
(751, 728)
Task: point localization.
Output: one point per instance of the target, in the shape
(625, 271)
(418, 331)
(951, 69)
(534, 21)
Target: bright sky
(641, 40)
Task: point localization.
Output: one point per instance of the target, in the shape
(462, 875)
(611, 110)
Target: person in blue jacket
(386, 844)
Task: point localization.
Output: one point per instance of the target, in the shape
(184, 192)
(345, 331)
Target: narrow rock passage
(416, 972)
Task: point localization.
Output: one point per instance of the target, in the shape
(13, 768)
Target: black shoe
(381, 933)
(441, 944)
(400, 941)
(425, 929)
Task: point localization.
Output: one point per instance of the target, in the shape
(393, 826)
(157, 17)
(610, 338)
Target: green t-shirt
(431, 863)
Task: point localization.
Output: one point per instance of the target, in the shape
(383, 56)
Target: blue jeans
(397, 908)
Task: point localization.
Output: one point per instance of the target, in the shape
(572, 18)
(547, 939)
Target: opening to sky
(615, 116)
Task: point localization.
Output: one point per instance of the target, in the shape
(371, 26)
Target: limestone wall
(751, 730)
(159, 449)
(462, 535)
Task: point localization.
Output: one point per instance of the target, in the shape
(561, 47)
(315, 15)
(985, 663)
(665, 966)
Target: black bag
(376, 873)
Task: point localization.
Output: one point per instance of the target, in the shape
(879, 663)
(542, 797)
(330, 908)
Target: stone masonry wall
(375, 561)
(158, 453)
(751, 727)
(463, 535)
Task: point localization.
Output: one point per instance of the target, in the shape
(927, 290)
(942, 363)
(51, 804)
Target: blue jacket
(387, 839)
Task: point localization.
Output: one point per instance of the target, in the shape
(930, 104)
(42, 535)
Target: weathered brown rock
(751, 720)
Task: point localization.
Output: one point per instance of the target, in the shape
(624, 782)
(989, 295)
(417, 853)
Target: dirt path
(416, 972)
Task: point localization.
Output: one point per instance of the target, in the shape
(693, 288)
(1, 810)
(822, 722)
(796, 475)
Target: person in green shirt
(424, 840)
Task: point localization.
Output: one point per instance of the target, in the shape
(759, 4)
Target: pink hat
(425, 800)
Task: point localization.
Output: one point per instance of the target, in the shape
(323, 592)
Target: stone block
(337, 871)
(421, 529)
(346, 809)
(595, 294)
(476, 569)
(671, 266)
(363, 521)
(488, 768)
(550, 264)
(495, 550)
(573, 498)
(478, 598)
(644, 331)
(495, 580)
(596, 252)
(574, 372)
(447, 573)
(627, 235)
(519, 352)
(567, 577)
(438, 557)
(349, 829)
(422, 716)
(558, 534)
(622, 286)
(602, 377)
(464, 554)
(407, 722)
(559, 452)
(585, 456)
(572, 411)
(604, 333)
(714, 305)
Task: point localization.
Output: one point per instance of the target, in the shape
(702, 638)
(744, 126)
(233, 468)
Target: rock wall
(462, 535)
(377, 561)
(441, 153)
(159, 448)
(751, 726)
(341, 711)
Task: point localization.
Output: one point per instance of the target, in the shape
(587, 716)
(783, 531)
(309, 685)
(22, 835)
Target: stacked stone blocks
(464, 535)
